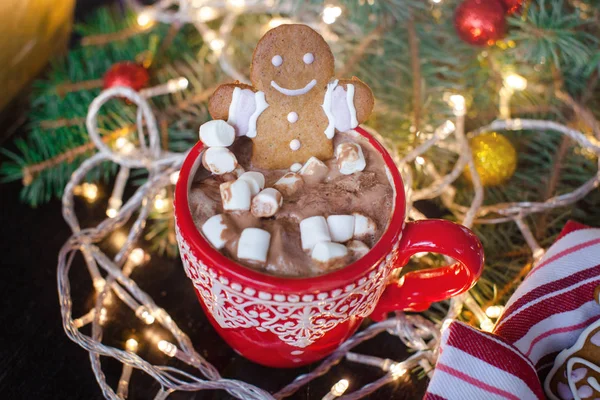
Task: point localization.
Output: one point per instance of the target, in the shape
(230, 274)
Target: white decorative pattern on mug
(297, 320)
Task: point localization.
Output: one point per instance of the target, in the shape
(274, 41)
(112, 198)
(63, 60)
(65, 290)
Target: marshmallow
(341, 227)
(350, 158)
(328, 252)
(289, 183)
(312, 231)
(295, 167)
(213, 230)
(357, 248)
(314, 168)
(219, 160)
(363, 226)
(256, 180)
(217, 133)
(253, 245)
(236, 195)
(266, 203)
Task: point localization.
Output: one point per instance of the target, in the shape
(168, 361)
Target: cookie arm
(363, 97)
(219, 102)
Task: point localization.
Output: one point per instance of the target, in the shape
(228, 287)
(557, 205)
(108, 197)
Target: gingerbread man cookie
(294, 105)
(576, 371)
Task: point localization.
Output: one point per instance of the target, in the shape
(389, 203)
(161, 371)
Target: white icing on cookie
(261, 105)
(233, 107)
(292, 117)
(277, 60)
(295, 167)
(350, 102)
(295, 144)
(294, 92)
(308, 58)
(330, 130)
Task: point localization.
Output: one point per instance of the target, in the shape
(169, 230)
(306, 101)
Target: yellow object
(495, 159)
(31, 31)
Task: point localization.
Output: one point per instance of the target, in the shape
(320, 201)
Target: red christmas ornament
(480, 22)
(512, 6)
(127, 74)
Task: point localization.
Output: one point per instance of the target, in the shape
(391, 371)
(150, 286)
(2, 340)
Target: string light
(486, 325)
(237, 4)
(137, 256)
(89, 191)
(207, 14)
(458, 104)
(337, 390)
(512, 82)
(420, 160)
(494, 311)
(174, 177)
(143, 314)
(124, 146)
(397, 371)
(331, 13)
(161, 204)
(168, 348)
(145, 20)
(178, 84)
(99, 284)
(131, 345)
(515, 82)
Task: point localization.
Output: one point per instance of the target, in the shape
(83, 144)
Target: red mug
(289, 322)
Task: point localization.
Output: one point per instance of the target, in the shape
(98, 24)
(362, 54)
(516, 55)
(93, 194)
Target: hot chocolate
(320, 218)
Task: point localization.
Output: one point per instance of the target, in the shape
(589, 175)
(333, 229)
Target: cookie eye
(276, 60)
(308, 58)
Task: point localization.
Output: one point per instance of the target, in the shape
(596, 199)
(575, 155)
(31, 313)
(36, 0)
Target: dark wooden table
(38, 361)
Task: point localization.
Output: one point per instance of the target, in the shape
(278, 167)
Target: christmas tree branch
(415, 63)
(30, 171)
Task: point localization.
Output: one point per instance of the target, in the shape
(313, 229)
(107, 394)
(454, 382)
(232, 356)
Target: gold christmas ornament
(495, 159)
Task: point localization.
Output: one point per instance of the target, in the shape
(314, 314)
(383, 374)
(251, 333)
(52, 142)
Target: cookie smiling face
(291, 60)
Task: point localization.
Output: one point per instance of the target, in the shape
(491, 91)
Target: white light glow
(331, 13)
(207, 14)
(339, 388)
(397, 371)
(137, 256)
(131, 345)
(144, 19)
(515, 82)
(143, 314)
(486, 325)
(168, 348)
(174, 177)
(494, 311)
(420, 160)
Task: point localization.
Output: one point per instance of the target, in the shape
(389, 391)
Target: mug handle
(415, 291)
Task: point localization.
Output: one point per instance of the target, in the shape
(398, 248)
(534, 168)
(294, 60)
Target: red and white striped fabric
(544, 316)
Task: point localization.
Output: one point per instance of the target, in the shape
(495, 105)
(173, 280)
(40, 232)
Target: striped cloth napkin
(545, 315)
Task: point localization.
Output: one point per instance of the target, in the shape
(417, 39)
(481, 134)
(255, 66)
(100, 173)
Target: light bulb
(515, 82)
(486, 325)
(89, 191)
(168, 348)
(420, 160)
(174, 177)
(237, 3)
(217, 44)
(144, 19)
(457, 102)
(339, 388)
(143, 314)
(207, 14)
(137, 256)
(331, 13)
(175, 85)
(161, 204)
(494, 311)
(397, 371)
(131, 345)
